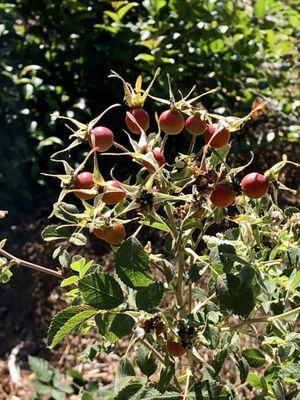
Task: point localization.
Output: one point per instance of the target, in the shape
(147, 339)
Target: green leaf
(69, 281)
(65, 322)
(196, 271)
(218, 155)
(279, 390)
(78, 239)
(260, 8)
(150, 297)
(219, 359)
(254, 380)
(292, 257)
(41, 388)
(289, 211)
(87, 396)
(55, 232)
(124, 374)
(124, 10)
(128, 391)
(41, 368)
(231, 234)
(101, 290)
(165, 377)
(66, 212)
(122, 325)
(243, 367)
(132, 264)
(212, 335)
(255, 357)
(145, 57)
(219, 257)
(146, 360)
(234, 295)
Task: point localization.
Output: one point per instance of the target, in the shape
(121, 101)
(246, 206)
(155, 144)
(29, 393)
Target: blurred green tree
(56, 56)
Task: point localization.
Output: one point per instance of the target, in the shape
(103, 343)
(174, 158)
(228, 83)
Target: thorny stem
(187, 385)
(121, 147)
(31, 265)
(192, 144)
(160, 357)
(258, 320)
(180, 276)
(163, 143)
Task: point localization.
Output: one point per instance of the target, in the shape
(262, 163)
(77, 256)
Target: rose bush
(229, 264)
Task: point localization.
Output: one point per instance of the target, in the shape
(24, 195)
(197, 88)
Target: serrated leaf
(255, 357)
(289, 211)
(41, 368)
(219, 359)
(128, 391)
(65, 322)
(254, 380)
(218, 155)
(132, 264)
(219, 257)
(78, 239)
(66, 212)
(55, 232)
(69, 281)
(122, 325)
(146, 360)
(243, 367)
(231, 234)
(124, 374)
(292, 257)
(279, 390)
(150, 297)
(101, 291)
(212, 335)
(165, 377)
(196, 271)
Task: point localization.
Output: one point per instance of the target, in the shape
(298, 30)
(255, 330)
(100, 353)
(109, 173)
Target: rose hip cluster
(171, 122)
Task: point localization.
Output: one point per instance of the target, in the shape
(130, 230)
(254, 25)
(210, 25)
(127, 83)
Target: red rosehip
(175, 348)
(113, 235)
(223, 195)
(158, 156)
(195, 125)
(142, 118)
(220, 139)
(113, 197)
(255, 185)
(102, 138)
(84, 180)
(171, 122)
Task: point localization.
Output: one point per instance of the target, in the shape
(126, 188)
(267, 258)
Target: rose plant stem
(29, 264)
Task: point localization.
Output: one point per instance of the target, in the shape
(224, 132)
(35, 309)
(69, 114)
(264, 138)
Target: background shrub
(56, 56)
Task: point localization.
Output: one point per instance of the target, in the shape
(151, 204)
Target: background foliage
(56, 56)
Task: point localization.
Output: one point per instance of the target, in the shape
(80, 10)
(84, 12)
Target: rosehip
(158, 156)
(255, 185)
(84, 180)
(102, 138)
(142, 119)
(113, 197)
(175, 348)
(113, 235)
(220, 139)
(223, 195)
(171, 122)
(195, 125)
